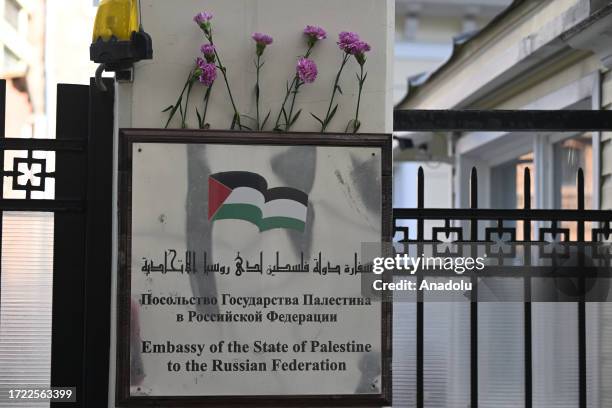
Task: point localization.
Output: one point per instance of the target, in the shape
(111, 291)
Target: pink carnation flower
(208, 49)
(346, 39)
(264, 39)
(307, 70)
(358, 47)
(209, 52)
(208, 72)
(315, 32)
(203, 17)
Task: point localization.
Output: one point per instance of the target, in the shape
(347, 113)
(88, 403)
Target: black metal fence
(550, 223)
(479, 217)
(82, 244)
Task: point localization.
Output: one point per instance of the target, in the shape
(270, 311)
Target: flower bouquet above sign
(208, 65)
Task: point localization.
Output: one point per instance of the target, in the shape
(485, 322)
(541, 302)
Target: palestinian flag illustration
(241, 195)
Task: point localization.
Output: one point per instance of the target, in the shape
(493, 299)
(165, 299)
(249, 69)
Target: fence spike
(421, 188)
(580, 187)
(527, 203)
(527, 189)
(474, 188)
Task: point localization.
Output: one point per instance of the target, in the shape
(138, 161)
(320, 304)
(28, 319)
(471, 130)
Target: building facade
(424, 33)
(536, 55)
(22, 30)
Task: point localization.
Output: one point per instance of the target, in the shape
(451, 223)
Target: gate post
(99, 244)
(83, 244)
(69, 242)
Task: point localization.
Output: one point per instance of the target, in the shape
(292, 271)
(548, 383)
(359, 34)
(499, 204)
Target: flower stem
(206, 100)
(257, 90)
(361, 82)
(184, 111)
(295, 92)
(229, 90)
(179, 102)
(293, 88)
(287, 95)
(331, 102)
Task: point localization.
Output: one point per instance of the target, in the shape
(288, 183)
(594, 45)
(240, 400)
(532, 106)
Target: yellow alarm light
(119, 40)
(116, 18)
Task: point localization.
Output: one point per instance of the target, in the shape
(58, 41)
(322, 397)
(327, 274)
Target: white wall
(177, 39)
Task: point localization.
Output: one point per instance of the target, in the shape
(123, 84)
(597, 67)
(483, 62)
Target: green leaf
(317, 118)
(174, 109)
(348, 126)
(353, 126)
(168, 108)
(331, 115)
(263, 124)
(295, 118)
(199, 118)
(284, 112)
(339, 89)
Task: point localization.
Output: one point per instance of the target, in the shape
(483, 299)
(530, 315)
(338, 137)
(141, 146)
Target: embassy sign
(240, 270)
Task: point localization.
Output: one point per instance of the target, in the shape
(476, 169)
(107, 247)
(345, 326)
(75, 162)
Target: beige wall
(533, 90)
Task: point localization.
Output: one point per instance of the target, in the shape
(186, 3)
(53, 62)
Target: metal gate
(502, 221)
(82, 209)
(480, 231)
